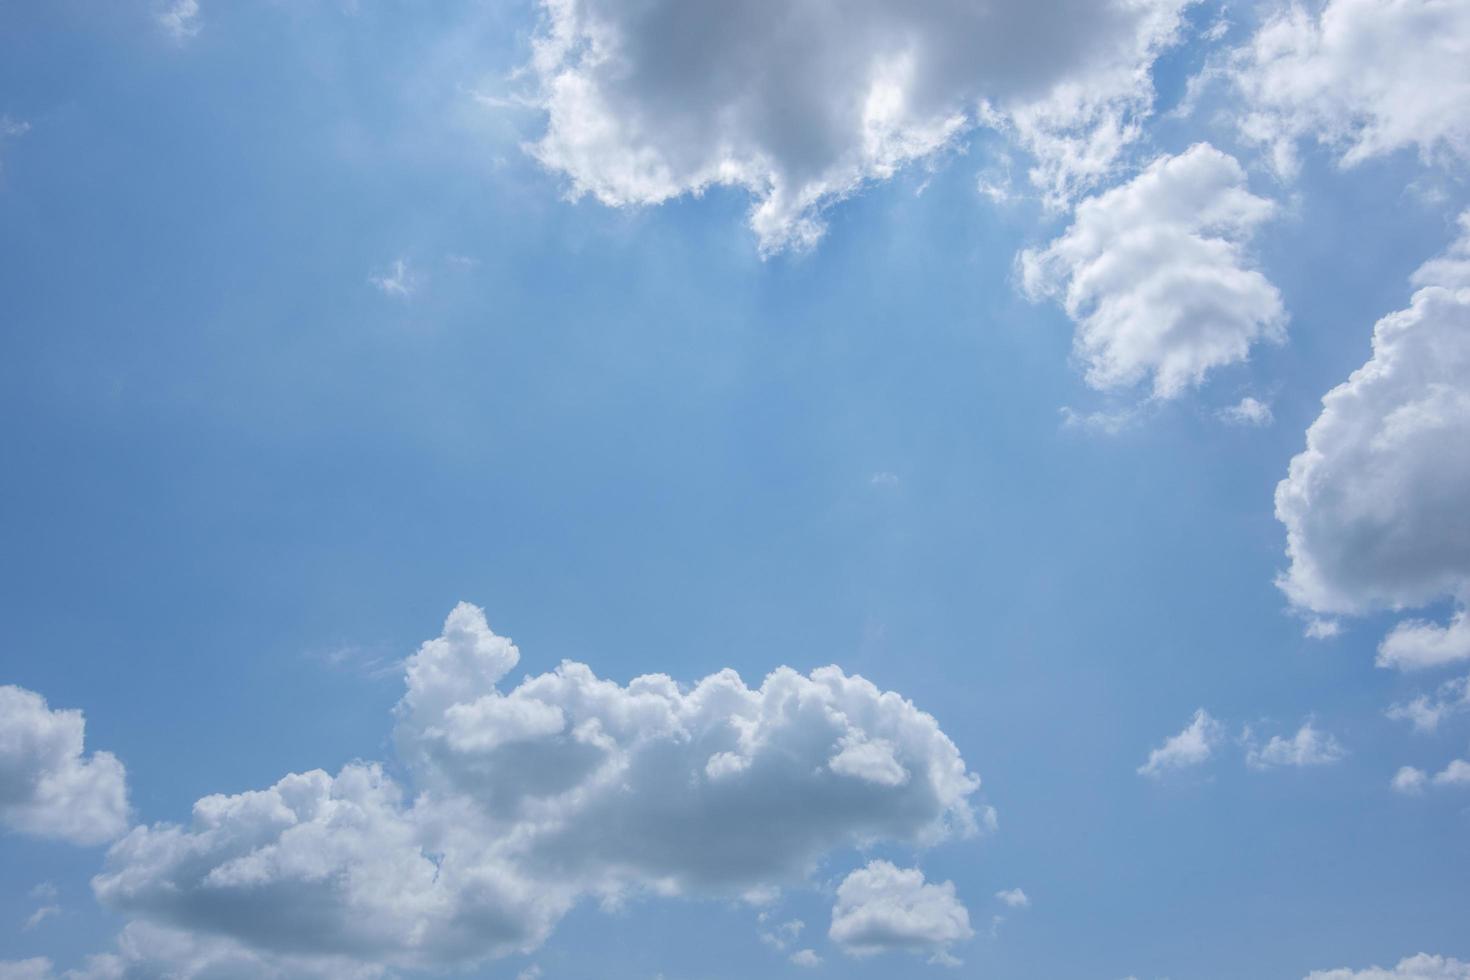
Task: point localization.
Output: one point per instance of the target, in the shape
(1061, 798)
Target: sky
(560, 489)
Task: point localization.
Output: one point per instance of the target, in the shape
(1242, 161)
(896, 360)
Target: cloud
(1374, 507)
(1156, 276)
(531, 799)
(1015, 898)
(783, 935)
(1421, 967)
(799, 106)
(1412, 781)
(180, 19)
(806, 957)
(1322, 629)
(1425, 713)
(1416, 643)
(11, 128)
(882, 907)
(400, 280)
(1409, 780)
(1363, 77)
(48, 787)
(40, 915)
(1105, 422)
(147, 952)
(1191, 747)
(1457, 773)
(1248, 411)
(1310, 746)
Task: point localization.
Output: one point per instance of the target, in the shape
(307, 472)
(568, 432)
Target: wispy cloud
(180, 19)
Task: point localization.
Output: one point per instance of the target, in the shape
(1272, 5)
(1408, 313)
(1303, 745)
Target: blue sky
(322, 318)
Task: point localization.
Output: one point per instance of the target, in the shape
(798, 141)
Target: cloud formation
(1191, 747)
(564, 787)
(1363, 77)
(1248, 411)
(1156, 275)
(1411, 781)
(1374, 507)
(48, 787)
(801, 105)
(1014, 897)
(1310, 746)
(180, 19)
(1425, 712)
(1421, 967)
(882, 907)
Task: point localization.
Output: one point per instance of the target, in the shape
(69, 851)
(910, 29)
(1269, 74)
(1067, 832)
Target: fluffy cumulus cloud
(801, 104)
(529, 799)
(1374, 508)
(1363, 77)
(883, 907)
(48, 786)
(1191, 747)
(1421, 967)
(1156, 275)
(1310, 746)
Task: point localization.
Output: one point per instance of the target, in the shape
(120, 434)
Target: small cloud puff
(1248, 411)
(1014, 897)
(1156, 275)
(882, 907)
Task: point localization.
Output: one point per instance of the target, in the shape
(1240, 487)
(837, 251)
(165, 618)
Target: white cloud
(1409, 780)
(399, 280)
(1374, 508)
(882, 907)
(783, 935)
(180, 19)
(1156, 276)
(528, 800)
(1416, 643)
(1248, 411)
(48, 787)
(1412, 781)
(1310, 746)
(1457, 773)
(13, 127)
(1421, 967)
(337, 867)
(1191, 747)
(147, 952)
(1015, 898)
(40, 915)
(1363, 77)
(1425, 712)
(1106, 422)
(806, 957)
(1318, 628)
(802, 105)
